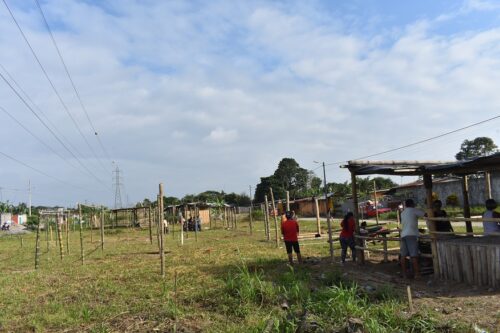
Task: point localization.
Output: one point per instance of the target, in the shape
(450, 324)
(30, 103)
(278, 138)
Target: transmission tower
(117, 184)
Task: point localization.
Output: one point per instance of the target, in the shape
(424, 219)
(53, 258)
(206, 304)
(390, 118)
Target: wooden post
(465, 193)
(318, 221)
(376, 201)
(251, 217)
(235, 218)
(431, 224)
(182, 228)
(287, 200)
(359, 242)
(37, 245)
(91, 224)
(210, 218)
(195, 218)
(150, 226)
(101, 225)
(59, 235)
(47, 233)
(487, 179)
(67, 233)
(82, 254)
(266, 218)
(160, 220)
(275, 218)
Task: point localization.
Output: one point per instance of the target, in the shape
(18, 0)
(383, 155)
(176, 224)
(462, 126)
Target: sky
(211, 95)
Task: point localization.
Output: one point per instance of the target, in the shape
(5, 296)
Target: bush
(32, 222)
(452, 200)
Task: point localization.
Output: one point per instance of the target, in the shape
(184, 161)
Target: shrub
(452, 200)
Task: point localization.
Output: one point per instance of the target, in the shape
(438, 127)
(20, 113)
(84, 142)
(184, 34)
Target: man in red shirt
(290, 231)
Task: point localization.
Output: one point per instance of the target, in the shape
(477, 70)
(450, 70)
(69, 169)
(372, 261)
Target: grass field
(226, 281)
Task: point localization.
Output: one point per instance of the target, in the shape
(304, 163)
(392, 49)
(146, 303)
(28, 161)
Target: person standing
(347, 236)
(409, 236)
(491, 227)
(290, 231)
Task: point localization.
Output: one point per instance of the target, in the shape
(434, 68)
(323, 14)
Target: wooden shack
(469, 257)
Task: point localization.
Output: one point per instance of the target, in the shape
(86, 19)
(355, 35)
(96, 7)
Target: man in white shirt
(409, 236)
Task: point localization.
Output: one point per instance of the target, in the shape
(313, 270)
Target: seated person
(442, 226)
(491, 227)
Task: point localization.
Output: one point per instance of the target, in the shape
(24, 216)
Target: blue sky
(211, 95)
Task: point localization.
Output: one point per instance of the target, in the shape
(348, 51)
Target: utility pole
(117, 184)
(328, 219)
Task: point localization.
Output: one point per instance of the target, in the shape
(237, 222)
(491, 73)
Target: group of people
(409, 232)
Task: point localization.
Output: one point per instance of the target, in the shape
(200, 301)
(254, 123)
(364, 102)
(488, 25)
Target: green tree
(480, 146)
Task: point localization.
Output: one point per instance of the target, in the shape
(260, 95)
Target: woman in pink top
(347, 236)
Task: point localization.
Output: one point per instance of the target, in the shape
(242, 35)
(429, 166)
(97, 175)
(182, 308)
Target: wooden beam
(431, 224)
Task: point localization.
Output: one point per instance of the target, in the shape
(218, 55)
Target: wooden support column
(431, 224)
(287, 201)
(376, 201)
(487, 185)
(150, 226)
(359, 242)
(465, 194)
(275, 218)
(318, 221)
(102, 229)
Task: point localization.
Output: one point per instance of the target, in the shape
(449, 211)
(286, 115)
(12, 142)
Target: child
(347, 236)
(290, 231)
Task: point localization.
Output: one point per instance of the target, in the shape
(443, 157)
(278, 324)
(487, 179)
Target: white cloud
(170, 85)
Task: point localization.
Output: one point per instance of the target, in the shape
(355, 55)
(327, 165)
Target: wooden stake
(487, 179)
(102, 229)
(275, 218)
(266, 218)
(376, 201)
(67, 232)
(251, 217)
(37, 245)
(59, 235)
(82, 255)
(91, 225)
(410, 299)
(354, 187)
(195, 218)
(465, 193)
(160, 220)
(150, 226)
(287, 200)
(318, 221)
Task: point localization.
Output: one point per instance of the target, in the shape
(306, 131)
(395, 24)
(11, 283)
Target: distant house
(13, 218)
(444, 187)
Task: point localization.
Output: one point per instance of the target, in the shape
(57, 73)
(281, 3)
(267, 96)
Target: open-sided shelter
(470, 258)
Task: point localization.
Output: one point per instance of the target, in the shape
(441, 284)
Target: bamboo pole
(275, 218)
(432, 224)
(160, 219)
(266, 218)
(251, 217)
(182, 229)
(59, 235)
(91, 224)
(102, 229)
(37, 245)
(82, 254)
(318, 221)
(47, 234)
(234, 218)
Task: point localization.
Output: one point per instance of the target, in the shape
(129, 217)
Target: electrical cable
(52, 84)
(51, 131)
(417, 142)
(71, 79)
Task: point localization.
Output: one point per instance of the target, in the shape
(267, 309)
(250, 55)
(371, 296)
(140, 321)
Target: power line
(417, 142)
(51, 131)
(52, 85)
(40, 171)
(27, 97)
(71, 79)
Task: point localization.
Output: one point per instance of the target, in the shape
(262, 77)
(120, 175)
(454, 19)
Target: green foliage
(32, 222)
(452, 200)
(480, 146)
